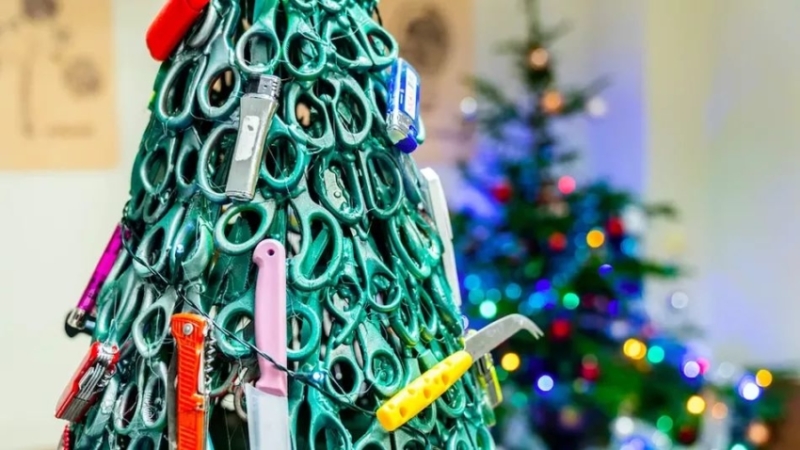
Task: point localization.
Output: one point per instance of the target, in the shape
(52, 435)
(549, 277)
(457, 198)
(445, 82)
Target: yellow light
(763, 378)
(634, 349)
(696, 404)
(719, 411)
(595, 238)
(510, 362)
(758, 433)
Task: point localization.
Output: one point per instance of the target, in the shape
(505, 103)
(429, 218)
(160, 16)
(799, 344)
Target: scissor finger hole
(305, 333)
(221, 87)
(154, 408)
(304, 50)
(187, 165)
(125, 410)
(178, 90)
(250, 217)
(311, 116)
(343, 376)
(344, 42)
(156, 168)
(280, 157)
(257, 49)
(385, 368)
(380, 43)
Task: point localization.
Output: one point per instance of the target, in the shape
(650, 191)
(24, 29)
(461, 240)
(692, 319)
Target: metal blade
(267, 420)
(497, 332)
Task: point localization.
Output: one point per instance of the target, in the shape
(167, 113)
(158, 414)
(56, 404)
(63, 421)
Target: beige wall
(703, 110)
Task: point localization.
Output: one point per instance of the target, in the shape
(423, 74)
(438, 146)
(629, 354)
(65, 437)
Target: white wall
(54, 228)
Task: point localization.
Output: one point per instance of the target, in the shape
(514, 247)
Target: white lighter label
(411, 87)
(246, 142)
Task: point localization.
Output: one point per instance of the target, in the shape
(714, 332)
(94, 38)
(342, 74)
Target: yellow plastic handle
(423, 391)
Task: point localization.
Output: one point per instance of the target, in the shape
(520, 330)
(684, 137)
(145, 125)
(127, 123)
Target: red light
(558, 241)
(561, 328)
(566, 185)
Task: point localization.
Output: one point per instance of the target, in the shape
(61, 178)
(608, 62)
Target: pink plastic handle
(104, 266)
(270, 315)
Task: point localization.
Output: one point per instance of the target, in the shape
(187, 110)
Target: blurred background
(700, 111)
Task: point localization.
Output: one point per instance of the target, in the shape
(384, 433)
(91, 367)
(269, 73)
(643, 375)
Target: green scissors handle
(405, 319)
(382, 181)
(153, 251)
(303, 267)
(145, 396)
(337, 186)
(151, 327)
(262, 210)
(283, 156)
(380, 47)
(173, 106)
(193, 247)
(384, 370)
(228, 319)
(415, 243)
(258, 51)
(301, 39)
(211, 175)
(220, 59)
(118, 307)
(158, 166)
(186, 164)
(309, 327)
(98, 418)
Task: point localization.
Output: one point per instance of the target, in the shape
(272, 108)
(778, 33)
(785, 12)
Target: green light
(738, 447)
(494, 295)
(571, 300)
(476, 296)
(519, 399)
(501, 374)
(488, 309)
(655, 355)
(664, 423)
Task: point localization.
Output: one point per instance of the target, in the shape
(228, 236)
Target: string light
(625, 426)
(749, 390)
(664, 423)
(476, 296)
(571, 300)
(595, 238)
(469, 106)
(691, 369)
(545, 383)
(513, 291)
(538, 58)
(719, 411)
(764, 378)
(510, 362)
(738, 447)
(552, 102)
(758, 433)
(488, 309)
(696, 405)
(566, 185)
(596, 107)
(634, 349)
(472, 281)
(655, 354)
(679, 300)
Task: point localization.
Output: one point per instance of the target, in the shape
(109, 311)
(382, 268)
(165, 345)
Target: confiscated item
(441, 217)
(190, 331)
(95, 371)
(402, 121)
(171, 25)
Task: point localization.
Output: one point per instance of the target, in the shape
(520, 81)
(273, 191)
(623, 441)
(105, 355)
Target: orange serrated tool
(190, 331)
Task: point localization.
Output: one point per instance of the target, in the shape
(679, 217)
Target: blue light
(537, 300)
(628, 246)
(513, 291)
(749, 390)
(476, 296)
(488, 309)
(605, 269)
(472, 281)
(494, 295)
(543, 285)
(691, 369)
(545, 383)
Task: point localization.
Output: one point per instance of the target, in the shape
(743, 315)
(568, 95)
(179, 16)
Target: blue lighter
(402, 116)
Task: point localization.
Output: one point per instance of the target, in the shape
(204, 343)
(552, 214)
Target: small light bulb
(596, 107)
(510, 362)
(691, 369)
(469, 106)
(696, 405)
(624, 426)
(764, 378)
(679, 300)
(545, 383)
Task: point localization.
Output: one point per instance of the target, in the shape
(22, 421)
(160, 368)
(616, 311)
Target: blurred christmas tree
(566, 256)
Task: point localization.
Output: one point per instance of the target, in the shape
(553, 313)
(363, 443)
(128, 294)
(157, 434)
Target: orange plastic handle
(189, 331)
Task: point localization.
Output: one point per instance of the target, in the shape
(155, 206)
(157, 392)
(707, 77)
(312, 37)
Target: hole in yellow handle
(426, 392)
(445, 378)
(403, 411)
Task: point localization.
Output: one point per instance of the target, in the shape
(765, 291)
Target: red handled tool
(190, 331)
(171, 25)
(93, 374)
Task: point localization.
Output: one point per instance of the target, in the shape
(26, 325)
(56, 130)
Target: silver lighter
(258, 107)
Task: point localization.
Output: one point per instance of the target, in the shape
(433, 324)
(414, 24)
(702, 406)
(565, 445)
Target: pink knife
(267, 401)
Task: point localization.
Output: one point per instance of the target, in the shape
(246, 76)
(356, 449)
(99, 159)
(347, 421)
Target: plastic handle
(171, 25)
(270, 315)
(189, 331)
(423, 391)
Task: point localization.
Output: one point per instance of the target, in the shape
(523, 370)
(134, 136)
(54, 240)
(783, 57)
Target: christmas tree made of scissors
(369, 306)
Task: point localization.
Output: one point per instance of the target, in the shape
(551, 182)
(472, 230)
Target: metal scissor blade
(492, 335)
(172, 422)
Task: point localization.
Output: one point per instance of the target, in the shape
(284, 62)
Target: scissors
(97, 420)
(384, 368)
(415, 242)
(200, 67)
(368, 46)
(119, 306)
(186, 163)
(141, 409)
(337, 97)
(301, 52)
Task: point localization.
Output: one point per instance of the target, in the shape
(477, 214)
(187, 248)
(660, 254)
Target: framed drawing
(436, 37)
(56, 82)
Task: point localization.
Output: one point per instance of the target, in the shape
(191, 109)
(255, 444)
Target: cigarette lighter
(402, 121)
(78, 316)
(257, 109)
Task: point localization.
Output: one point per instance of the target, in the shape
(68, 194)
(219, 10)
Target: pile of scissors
(369, 305)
